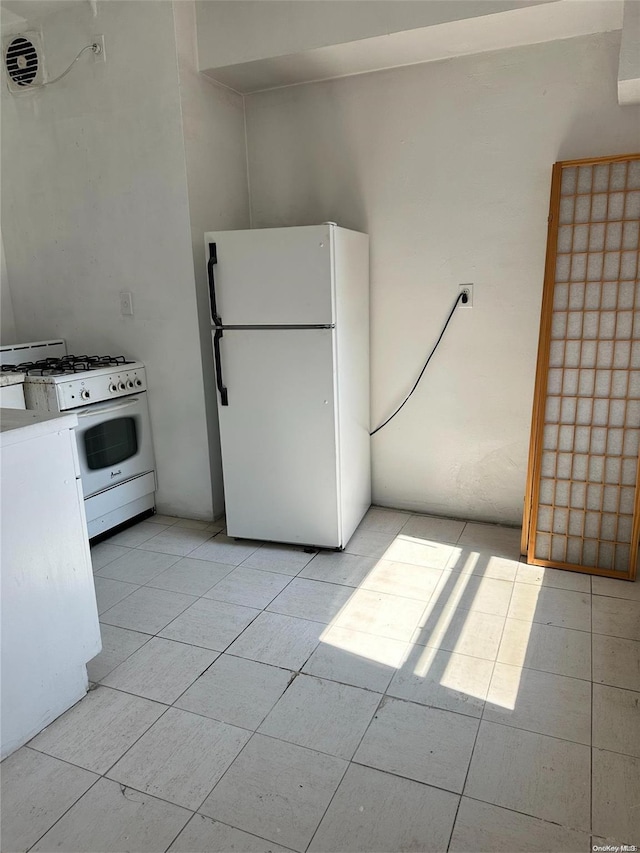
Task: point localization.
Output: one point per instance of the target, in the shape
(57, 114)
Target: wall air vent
(23, 61)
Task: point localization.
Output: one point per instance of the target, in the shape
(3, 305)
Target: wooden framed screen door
(582, 505)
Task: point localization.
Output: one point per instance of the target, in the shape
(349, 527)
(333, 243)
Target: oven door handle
(97, 409)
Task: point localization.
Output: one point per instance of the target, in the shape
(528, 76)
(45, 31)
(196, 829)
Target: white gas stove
(73, 381)
(109, 396)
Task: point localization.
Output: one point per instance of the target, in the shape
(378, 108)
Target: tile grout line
(99, 681)
(616, 597)
(462, 532)
(397, 775)
(127, 556)
(385, 695)
(110, 767)
(484, 705)
(155, 634)
(75, 802)
(230, 826)
(551, 737)
(332, 623)
(141, 547)
(186, 530)
(390, 560)
(182, 642)
(224, 651)
(179, 833)
(104, 612)
(326, 624)
(263, 610)
(350, 762)
(542, 671)
(592, 715)
(237, 565)
(255, 731)
(227, 769)
(108, 563)
(228, 566)
(196, 598)
(166, 705)
(533, 732)
(383, 698)
(131, 745)
(112, 540)
(279, 740)
(548, 624)
(321, 552)
(154, 796)
(103, 775)
(181, 592)
(528, 814)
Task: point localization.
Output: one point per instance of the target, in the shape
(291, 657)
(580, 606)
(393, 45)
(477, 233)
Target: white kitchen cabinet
(50, 624)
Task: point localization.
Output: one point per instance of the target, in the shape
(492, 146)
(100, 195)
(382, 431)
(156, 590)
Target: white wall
(7, 321)
(94, 201)
(447, 166)
(629, 66)
(214, 140)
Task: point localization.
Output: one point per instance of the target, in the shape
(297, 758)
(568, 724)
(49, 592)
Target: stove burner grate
(68, 364)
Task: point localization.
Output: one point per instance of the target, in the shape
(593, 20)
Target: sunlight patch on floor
(505, 686)
(419, 551)
(380, 650)
(447, 610)
(463, 675)
(445, 617)
(469, 564)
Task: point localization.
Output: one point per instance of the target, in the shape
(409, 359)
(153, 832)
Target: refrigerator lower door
(278, 435)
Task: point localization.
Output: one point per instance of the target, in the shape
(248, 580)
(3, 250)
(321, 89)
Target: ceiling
(528, 24)
(14, 13)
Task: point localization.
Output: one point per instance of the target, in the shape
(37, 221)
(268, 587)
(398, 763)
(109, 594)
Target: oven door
(114, 442)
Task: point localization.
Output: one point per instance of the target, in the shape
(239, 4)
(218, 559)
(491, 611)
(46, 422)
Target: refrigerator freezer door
(273, 276)
(278, 435)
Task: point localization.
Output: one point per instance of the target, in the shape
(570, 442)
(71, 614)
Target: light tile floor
(422, 691)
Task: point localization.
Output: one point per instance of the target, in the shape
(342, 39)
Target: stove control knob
(122, 386)
(85, 394)
(129, 384)
(113, 388)
(139, 383)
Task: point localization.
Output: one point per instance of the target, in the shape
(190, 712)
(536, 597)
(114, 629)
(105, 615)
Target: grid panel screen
(588, 466)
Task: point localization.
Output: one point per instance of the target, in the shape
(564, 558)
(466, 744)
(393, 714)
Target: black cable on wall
(462, 297)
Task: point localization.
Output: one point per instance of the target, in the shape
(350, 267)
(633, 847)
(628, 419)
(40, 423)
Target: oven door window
(110, 443)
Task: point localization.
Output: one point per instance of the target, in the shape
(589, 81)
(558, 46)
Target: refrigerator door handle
(213, 260)
(224, 397)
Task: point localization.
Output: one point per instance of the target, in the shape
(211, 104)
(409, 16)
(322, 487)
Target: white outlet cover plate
(102, 56)
(468, 288)
(126, 304)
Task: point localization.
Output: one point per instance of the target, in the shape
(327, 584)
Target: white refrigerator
(290, 325)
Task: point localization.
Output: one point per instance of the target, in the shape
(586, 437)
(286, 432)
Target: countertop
(24, 424)
(11, 379)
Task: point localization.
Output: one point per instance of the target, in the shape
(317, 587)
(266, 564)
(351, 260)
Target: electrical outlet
(126, 304)
(99, 55)
(468, 289)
